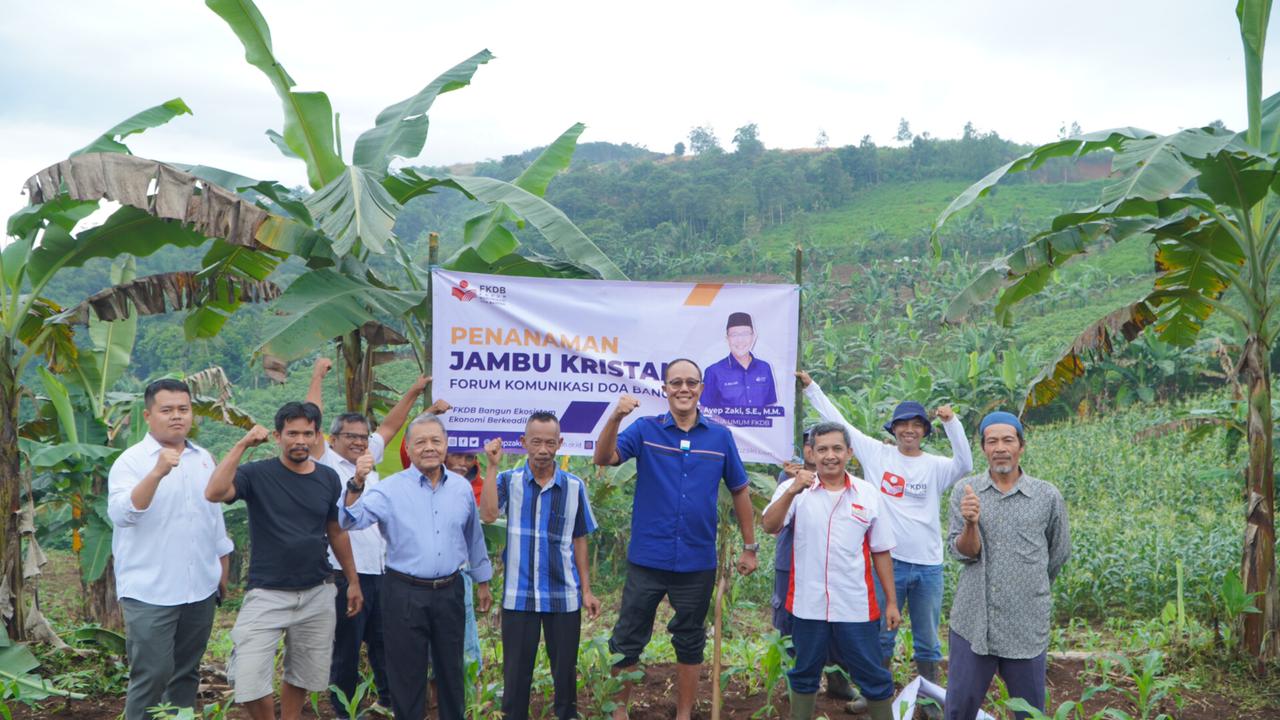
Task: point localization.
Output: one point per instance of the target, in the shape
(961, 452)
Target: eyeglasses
(353, 437)
(682, 382)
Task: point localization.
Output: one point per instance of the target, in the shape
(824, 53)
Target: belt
(433, 583)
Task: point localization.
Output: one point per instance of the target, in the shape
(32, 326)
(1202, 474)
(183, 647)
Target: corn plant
(597, 679)
(351, 705)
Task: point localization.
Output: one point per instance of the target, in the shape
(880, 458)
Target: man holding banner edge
(681, 458)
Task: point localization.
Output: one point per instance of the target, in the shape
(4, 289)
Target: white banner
(504, 347)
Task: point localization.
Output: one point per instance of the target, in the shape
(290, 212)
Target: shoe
(802, 705)
(929, 671)
(880, 709)
(838, 686)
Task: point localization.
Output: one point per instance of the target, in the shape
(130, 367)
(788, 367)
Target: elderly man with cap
(740, 380)
(911, 483)
(1010, 533)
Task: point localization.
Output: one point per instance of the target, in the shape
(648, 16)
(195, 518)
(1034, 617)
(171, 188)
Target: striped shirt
(542, 523)
(834, 534)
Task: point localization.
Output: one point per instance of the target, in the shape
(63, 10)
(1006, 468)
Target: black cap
(739, 319)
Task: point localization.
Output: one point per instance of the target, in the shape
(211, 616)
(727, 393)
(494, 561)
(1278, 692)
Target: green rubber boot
(802, 705)
(880, 709)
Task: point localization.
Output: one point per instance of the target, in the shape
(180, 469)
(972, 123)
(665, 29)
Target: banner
(504, 347)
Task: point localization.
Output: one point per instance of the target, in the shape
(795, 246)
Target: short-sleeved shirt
(678, 476)
(288, 517)
(834, 534)
(729, 385)
(542, 522)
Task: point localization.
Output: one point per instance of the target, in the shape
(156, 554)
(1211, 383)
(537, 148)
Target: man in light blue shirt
(429, 519)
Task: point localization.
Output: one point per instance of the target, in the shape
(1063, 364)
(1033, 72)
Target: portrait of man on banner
(740, 380)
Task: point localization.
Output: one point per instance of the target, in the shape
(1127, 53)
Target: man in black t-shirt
(293, 518)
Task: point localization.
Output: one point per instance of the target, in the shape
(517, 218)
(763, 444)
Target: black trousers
(520, 632)
(690, 596)
(417, 621)
(350, 633)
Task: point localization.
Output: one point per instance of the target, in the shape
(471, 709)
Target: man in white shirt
(839, 534)
(351, 448)
(911, 483)
(170, 547)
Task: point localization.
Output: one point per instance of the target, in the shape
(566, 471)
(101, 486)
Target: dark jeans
(690, 596)
(856, 643)
(969, 676)
(418, 621)
(520, 650)
(165, 644)
(350, 632)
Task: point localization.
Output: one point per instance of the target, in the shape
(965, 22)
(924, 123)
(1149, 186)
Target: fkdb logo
(466, 292)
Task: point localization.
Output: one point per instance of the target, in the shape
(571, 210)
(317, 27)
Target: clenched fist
(945, 413)
(804, 480)
(440, 406)
(322, 367)
(805, 379)
(364, 466)
(256, 436)
(493, 451)
(420, 384)
(970, 508)
(626, 404)
(167, 461)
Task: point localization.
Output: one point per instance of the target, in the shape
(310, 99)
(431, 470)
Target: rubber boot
(880, 709)
(838, 686)
(802, 705)
(929, 671)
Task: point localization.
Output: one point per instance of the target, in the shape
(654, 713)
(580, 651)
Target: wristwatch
(751, 547)
(352, 487)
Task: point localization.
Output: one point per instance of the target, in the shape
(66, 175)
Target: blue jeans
(855, 643)
(919, 589)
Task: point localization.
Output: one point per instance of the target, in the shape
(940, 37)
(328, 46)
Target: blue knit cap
(1000, 417)
(906, 411)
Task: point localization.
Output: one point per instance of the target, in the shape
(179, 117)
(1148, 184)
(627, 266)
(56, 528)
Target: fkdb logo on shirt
(892, 485)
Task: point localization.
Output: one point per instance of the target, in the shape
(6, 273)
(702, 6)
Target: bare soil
(655, 700)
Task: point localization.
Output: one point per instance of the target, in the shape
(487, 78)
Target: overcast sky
(643, 72)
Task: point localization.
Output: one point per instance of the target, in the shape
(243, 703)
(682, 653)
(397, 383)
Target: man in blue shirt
(681, 459)
(741, 380)
(547, 581)
(429, 519)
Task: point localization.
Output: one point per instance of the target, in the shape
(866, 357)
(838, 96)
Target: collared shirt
(912, 486)
(1003, 604)
(542, 522)
(431, 532)
(167, 554)
(367, 544)
(729, 385)
(678, 473)
(834, 534)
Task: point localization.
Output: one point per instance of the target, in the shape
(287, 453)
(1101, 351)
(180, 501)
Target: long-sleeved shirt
(911, 487)
(1003, 605)
(168, 553)
(431, 532)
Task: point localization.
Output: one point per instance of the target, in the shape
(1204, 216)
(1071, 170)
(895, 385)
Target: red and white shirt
(834, 534)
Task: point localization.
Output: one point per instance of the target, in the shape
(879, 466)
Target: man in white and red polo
(839, 536)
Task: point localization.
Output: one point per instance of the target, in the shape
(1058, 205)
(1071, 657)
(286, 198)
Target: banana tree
(1205, 197)
(159, 205)
(354, 207)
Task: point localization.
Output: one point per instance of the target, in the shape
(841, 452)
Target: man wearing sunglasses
(352, 449)
(681, 459)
